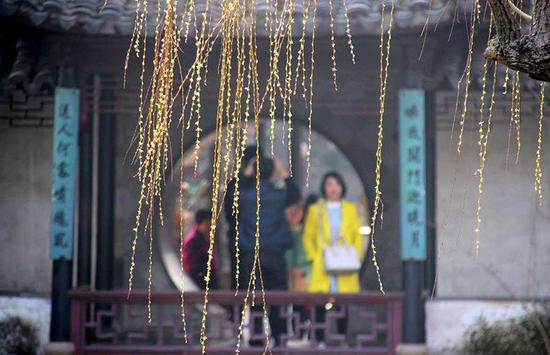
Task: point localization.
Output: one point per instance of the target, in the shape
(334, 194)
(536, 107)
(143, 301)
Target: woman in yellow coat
(330, 221)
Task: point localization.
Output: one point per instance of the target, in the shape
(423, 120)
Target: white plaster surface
(514, 241)
(33, 309)
(25, 197)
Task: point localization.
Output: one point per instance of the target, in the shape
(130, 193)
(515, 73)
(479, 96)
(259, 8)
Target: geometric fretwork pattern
(109, 323)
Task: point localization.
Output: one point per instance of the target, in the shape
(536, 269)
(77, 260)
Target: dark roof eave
(117, 17)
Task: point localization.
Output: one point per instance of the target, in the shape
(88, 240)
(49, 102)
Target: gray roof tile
(117, 16)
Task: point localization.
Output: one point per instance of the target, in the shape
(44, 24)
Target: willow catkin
(333, 45)
(215, 193)
(311, 77)
(538, 165)
(287, 105)
(514, 119)
(517, 114)
(506, 79)
(348, 32)
(384, 70)
(474, 18)
(482, 139)
(483, 142)
(139, 151)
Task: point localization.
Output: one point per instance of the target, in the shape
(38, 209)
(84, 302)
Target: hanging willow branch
(528, 53)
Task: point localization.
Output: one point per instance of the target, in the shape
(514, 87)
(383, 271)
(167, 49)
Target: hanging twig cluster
(186, 34)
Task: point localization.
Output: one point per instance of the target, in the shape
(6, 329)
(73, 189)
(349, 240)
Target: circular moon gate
(197, 194)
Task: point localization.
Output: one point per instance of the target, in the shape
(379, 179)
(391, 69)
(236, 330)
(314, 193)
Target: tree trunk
(528, 53)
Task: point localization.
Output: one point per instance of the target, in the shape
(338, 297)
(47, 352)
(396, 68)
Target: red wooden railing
(108, 322)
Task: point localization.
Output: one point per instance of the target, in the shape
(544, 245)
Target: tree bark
(528, 53)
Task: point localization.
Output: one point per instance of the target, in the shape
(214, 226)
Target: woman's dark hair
(338, 178)
(202, 215)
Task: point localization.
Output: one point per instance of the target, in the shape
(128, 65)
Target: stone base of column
(59, 348)
(411, 349)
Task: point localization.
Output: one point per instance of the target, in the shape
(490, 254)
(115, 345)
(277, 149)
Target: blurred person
(332, 221)
(249, 155)
(275, 235)
(195, 250)
(297, 264)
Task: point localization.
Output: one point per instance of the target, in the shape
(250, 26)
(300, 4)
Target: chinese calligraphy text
(412, 174)
(66, 117)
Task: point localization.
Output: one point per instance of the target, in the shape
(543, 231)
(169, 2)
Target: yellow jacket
(313, 245)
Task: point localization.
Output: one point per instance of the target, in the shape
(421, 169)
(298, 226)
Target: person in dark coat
(249, 154)
(275, 234)
(195, 250)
